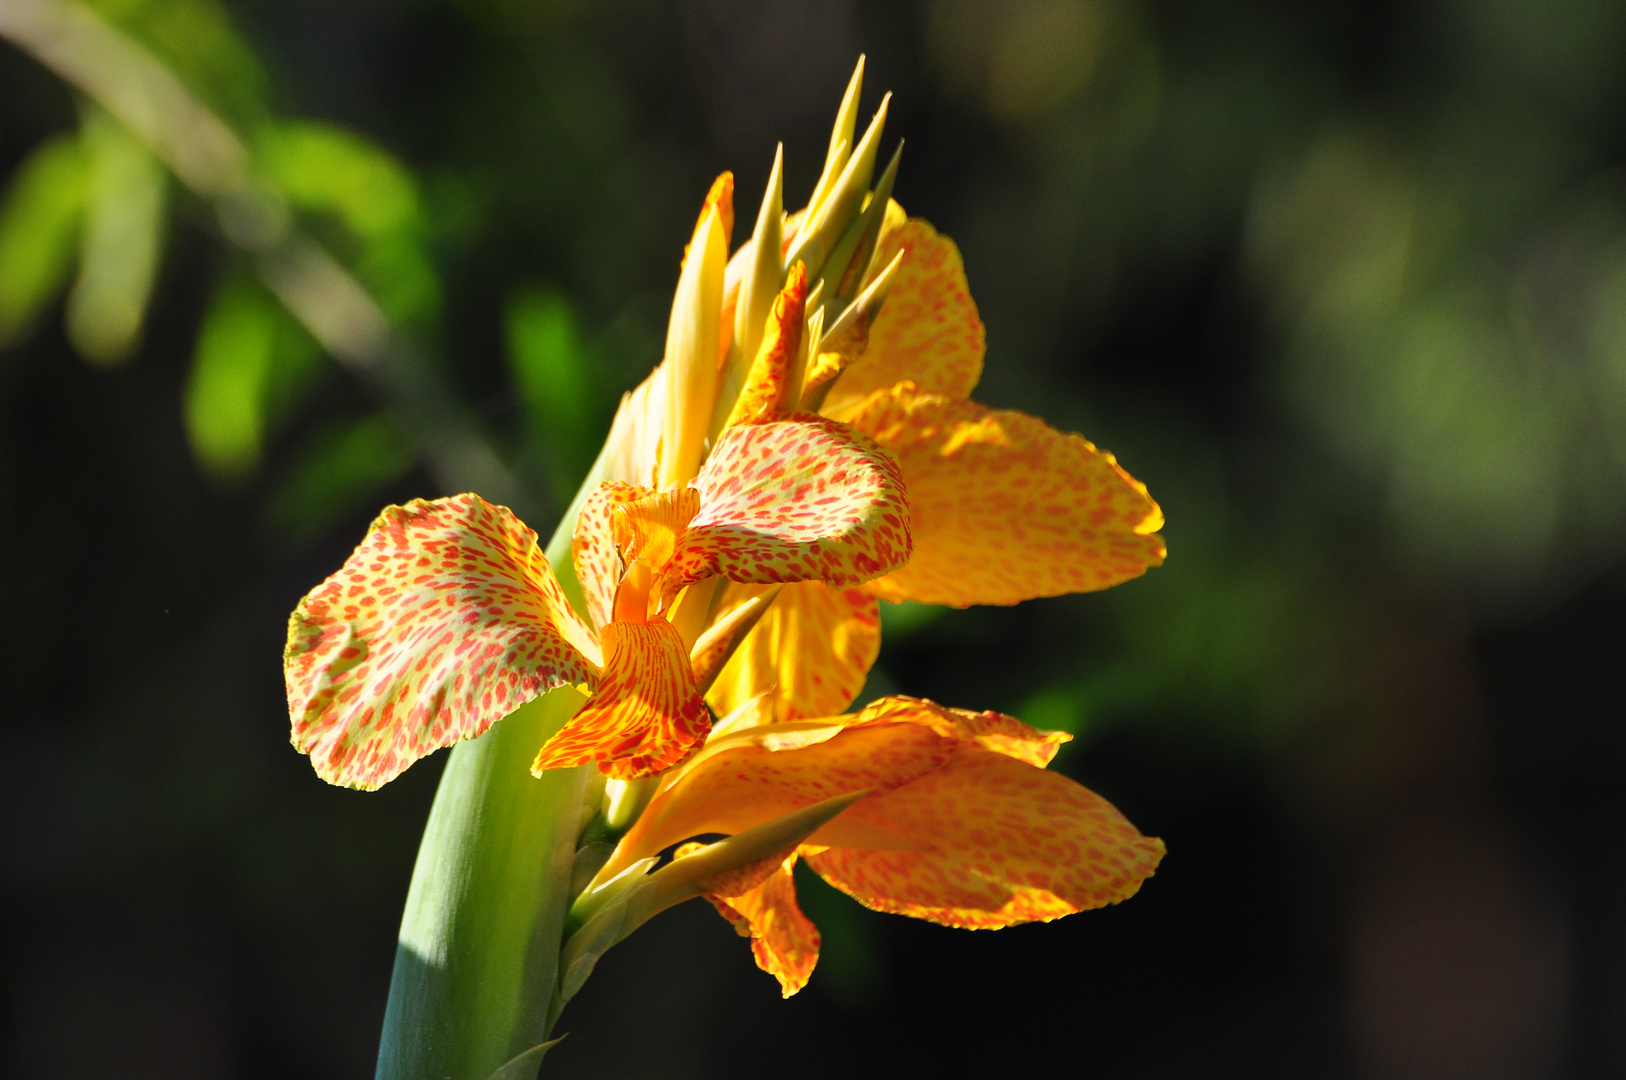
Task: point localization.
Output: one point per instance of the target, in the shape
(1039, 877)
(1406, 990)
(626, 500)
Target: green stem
(476, 965)
(477, 961)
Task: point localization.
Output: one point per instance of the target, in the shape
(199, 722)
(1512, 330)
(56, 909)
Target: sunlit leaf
(340, 470)
(39, 223)
(119, 245)
(252, 361)
(326, 170)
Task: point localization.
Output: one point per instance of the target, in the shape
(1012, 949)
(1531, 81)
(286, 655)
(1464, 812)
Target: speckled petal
(797, 499)
(784, 941)
(593, 546)
(964, 826)
(1003, 507)
(445, 619)
(1002, 842)
(813, 649)
(645, 716)
(929, 330)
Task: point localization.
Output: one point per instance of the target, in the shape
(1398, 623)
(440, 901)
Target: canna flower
(806, 448)
(962, 824)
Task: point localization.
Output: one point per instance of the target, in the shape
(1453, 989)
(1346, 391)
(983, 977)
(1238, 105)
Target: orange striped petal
(765, 391)
(645, 716)
(1005, 508)
(812, 650)
(1000, 842)
(784, 941)
(446, 619)
(650, 526)
(796, 499)
(593, 546)
(928, 331)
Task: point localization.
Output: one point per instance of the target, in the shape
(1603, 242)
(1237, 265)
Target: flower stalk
(477, 960)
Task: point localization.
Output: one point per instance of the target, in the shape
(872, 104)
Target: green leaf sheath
(477, 960)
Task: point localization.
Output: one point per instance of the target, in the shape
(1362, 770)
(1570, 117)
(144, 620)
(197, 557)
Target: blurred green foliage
(39, 227)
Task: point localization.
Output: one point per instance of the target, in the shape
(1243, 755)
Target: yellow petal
(445, 619)
(928, 331)
(692, 336)
(812, 651)
(1004, 508)
(645, 716)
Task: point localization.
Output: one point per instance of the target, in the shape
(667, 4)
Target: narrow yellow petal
(692, 337)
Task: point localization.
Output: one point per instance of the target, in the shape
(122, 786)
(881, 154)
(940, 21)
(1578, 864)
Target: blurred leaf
(124, 215)
(252, 361)
(903, 619)
(341, 469)
(195, 38)
(324, 169)
(39, 226)
(553, 371)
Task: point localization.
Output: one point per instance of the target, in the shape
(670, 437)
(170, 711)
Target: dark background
(1344, 284)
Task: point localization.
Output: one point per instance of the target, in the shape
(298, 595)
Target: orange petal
(784, 941)
(645, 716)
(593, 546)
(813, 650)
(650, 526)
(764, 391)
(1004, 508)
(795, 499)
(990, 730)
(928, 331)
(1001, 842)
(767, 772)
(445, 619)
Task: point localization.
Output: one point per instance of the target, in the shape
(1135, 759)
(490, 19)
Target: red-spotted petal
(998, 842)
(646, 715)
(445, 619)
(799, 499)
